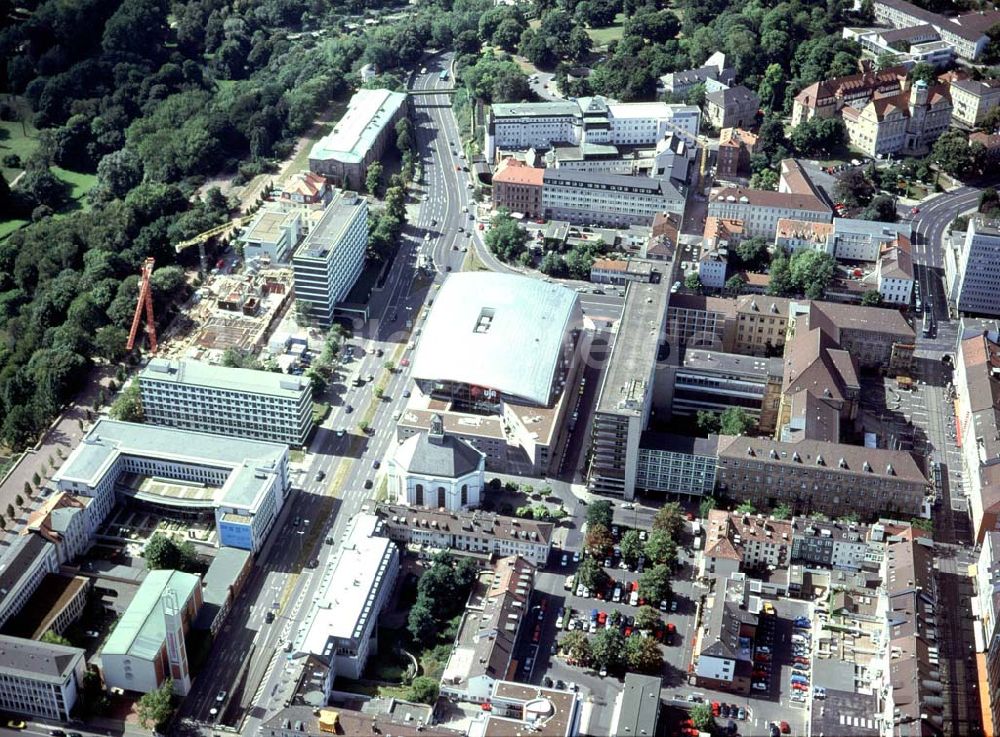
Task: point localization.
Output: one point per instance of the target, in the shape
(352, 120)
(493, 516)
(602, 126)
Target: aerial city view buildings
(500, 368)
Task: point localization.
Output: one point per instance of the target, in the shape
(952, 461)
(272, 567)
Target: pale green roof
(141, 630)
(222, 378)
(534, 109)
(351, 138)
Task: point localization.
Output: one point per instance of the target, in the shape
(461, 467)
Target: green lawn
(323, 126)
(603, 36)
(79, 185)
(15, 141)
(9, 226)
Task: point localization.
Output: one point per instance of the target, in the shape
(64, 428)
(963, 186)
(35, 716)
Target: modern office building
(146, 647)
(862, 240)
(487, 634)
(595, 120)
(760, 210)
(359, 137)
(712, 381)
(908, 46)
(340, 631)
(625, 398)
(437, 469)
(244, 483)
(967, 33)
(595, 198)
(23, 566)
(274, 233)
(330, 259)
(58, 602)
(38, 679)
(978, 275)
(247, 403)
(476, 533)
(677, 464)
(498, 363)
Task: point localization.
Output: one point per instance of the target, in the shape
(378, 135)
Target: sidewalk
(61, 437)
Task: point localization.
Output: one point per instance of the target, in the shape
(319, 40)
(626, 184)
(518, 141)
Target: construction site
(229, 311)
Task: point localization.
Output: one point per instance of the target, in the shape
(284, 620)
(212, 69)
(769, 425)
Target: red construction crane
(145, 300)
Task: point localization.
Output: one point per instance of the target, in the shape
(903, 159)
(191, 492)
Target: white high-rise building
(331, 258)
(247, 403)
(978, 287)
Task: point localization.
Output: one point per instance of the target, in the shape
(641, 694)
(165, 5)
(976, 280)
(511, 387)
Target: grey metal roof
(223, 378)
(497, 331)
(40, 661)
(448, 457)
(17, 559)
(640, 708)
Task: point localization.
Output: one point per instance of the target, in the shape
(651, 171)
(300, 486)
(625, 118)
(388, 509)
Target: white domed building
(437, 469)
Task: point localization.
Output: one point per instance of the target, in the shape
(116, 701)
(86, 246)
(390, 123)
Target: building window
(418, 498)
(465, 495)
(441, 496)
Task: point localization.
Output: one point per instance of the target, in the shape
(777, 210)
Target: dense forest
(151, 97)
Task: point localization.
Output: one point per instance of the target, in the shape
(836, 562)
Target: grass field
(79, 185)
(603, 36)
(14, 141)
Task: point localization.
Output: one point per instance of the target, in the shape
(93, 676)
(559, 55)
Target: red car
(715, 708)
(481, 226)
(800, 687)
(786, 728)
(762, 658)
(800, 659)
(687, 723)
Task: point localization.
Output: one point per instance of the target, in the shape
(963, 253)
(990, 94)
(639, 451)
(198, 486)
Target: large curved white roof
(497, 331)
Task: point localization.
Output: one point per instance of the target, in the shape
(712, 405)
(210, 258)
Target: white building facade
(329, 261)
(436, 469)
(978, 288)
(38, 679)
(247, 403)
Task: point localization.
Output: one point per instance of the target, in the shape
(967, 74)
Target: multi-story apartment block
(23, 565)
(826, 98)
(967, 33)
(978, 274)
(329, 261)
(712, 265)
(911, 669)
(827, 477)
(677, 463)
(840, 545)
(736, 146)
(735, 542)
(247, 403)
(760, 210)
(243, 482)
(713, 381)
(894, 273)
(621, 271)
(626, 395)
(517, 187)
(723, 646)
(521, 126)
(340, 629)
(39, 679)
(908, 122)
(862, 240)
(488, 632)
(987, 610)
(761, 324)
(973, 99)
(607, 199)
(358, 138)
(977, 386)
(478, 533)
